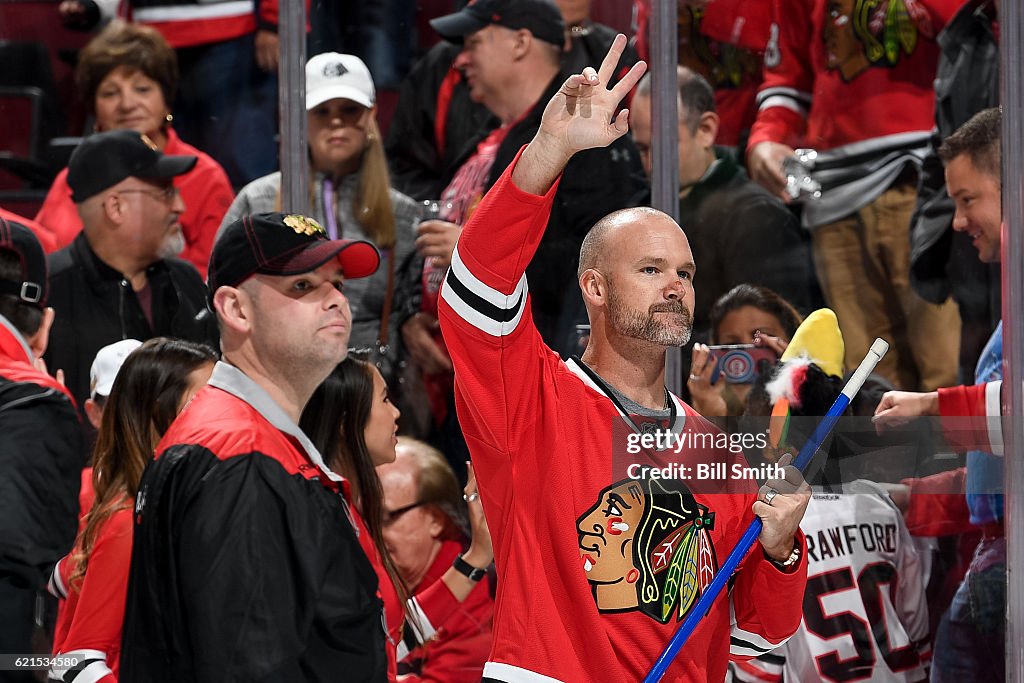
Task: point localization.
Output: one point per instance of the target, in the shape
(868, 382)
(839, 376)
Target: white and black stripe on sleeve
(790, 98)
(480, 305)
(747, 643)
(55, 586)
(418, 629)
(91, 667)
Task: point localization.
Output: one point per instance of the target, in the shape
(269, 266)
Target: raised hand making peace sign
(581, 115)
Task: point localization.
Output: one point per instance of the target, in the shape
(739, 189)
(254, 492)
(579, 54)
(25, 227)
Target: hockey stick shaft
(746, 542)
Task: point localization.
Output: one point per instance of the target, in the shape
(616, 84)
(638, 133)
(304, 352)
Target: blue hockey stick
(703, 606)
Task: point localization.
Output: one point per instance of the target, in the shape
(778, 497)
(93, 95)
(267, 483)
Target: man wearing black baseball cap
(541, 17)
(119, 279)
(246, 559)
(41, 454)
(511, 61)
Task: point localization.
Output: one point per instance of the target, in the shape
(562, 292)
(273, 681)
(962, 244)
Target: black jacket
(96, 306)
(245, 563)
(41, 459)
(944, 262)
(418, 167)
(740, 233)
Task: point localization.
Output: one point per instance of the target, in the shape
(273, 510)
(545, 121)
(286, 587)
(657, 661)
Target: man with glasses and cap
(246, 562)
(119, 278)
(41, 454)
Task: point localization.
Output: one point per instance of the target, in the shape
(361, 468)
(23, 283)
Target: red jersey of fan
(457, 635)
(92, 614)
(598, 564)
(971, 418)
(843, 72)
(724, 42)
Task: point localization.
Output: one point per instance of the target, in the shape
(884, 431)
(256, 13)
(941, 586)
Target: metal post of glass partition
(292, 106)
(1011, 46)
(665, 135)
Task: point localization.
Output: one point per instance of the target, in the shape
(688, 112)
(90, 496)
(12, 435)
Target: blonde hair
(372, 205)
(373, 197)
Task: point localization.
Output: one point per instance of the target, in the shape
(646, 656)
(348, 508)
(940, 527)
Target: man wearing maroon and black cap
(41, 454)
(119, 279)
(246, 563)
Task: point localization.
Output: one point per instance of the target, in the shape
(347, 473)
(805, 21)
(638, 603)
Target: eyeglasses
(391, 516)
(165, 195)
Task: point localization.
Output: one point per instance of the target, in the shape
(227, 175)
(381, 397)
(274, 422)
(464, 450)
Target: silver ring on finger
(769, 495)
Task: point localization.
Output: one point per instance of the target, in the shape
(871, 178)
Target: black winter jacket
(740, 233)
(41, 459)
(418, 167)
(944, 262)
(96, 306)
(246, 564)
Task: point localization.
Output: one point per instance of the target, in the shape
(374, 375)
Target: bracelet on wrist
(469, 571)
(789, 562)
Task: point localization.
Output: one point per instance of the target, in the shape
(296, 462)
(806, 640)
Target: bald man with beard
(598, 562)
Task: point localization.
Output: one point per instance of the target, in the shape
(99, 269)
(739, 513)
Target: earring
(632, 576)
(169, 118)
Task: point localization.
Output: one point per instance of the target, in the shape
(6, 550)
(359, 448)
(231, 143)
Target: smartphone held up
(740, 363)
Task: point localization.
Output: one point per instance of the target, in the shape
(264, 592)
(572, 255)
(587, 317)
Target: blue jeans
(227, 107)
(969, 642)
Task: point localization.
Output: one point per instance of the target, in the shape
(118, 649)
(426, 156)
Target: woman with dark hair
(352, 421)
(127, 76)
(746, 314)
(156, 381)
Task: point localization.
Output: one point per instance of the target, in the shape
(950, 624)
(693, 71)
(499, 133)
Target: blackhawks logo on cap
(304, 225)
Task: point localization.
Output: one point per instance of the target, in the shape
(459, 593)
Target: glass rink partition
(31, 156)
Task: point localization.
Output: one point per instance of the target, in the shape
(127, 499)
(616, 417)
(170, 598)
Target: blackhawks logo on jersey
(646, 545)
(722, 64)
(862, 33)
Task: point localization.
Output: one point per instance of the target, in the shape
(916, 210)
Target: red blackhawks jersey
(724, 42)
(844, 72)
(91, 615)
(971, 417)
(865, 613)
(597, 564)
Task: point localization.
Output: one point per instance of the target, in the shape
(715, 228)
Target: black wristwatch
(469, 571)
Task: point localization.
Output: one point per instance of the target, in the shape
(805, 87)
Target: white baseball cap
(107, 364)
(331, 76)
